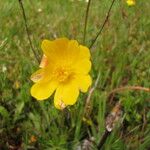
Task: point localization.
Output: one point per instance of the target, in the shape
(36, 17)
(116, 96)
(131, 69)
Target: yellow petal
(68, 52)
(61, 43)
(84, 82)
(43, 75)
(42, 91)
(37, 76)
(55, 50)
(71, 53)
(82, 67)
(73, 50)
(67, 93)
(48, 48)
(84, 52)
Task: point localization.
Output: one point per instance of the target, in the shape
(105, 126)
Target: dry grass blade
(139, 88)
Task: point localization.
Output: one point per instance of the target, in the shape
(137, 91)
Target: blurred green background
(122, 54)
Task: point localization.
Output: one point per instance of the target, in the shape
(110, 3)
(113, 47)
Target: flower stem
(86, 19)
(27, 30)
(103, 25)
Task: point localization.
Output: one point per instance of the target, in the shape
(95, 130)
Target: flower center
(61, 74)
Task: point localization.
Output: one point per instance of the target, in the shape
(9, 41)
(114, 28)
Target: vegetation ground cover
(121, 53)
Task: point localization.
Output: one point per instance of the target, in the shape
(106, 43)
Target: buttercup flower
(64, 70)
(131, 2)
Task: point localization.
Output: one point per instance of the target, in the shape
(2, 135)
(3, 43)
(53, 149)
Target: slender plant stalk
(27, 30)
(139, 88)
(103, 25)
(86, 19)
(103, 139)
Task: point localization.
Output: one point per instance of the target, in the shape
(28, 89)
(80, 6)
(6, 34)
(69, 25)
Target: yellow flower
(131, 2)
(64, 69)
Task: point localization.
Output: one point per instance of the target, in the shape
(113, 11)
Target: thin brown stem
(139, 88)
(103, 139)
(27, 30)
(103, 25)
(86, 19)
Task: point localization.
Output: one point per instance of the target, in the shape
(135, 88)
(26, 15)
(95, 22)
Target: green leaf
(4, 112)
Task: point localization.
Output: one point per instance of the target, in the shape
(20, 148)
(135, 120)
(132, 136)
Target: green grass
(122, 54)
